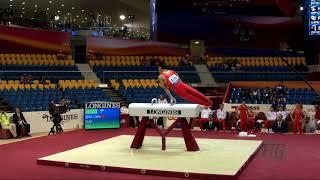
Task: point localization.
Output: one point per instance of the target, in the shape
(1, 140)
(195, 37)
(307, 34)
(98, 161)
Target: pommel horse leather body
(181, 111)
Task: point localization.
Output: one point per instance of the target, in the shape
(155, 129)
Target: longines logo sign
(163, 112)
(65, 117)
(100, 105)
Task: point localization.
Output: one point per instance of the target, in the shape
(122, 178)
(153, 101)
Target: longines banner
(40, 121)
(265, 108)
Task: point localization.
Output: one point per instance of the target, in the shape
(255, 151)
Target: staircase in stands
(87, 73)
(115, 97)
(205, 76)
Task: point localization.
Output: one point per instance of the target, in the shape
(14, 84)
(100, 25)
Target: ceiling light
(82, 10)
(31, 18)
(74, 19)
(50, 2)
(82, 21)
(62, 5)
(23, 12)
(68, 14)
(10, 5)
(122, 17)
(23, 8)
(301, 8)
(47, 9)
(58, 11)
(197, 42)
(56, 18)
(72, 8)
(23, 2)
(35, 5)
(85, 18)
(77, 16)
(10, 0)
(35, 10)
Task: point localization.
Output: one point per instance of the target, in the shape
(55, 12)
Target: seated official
(271, 118)
(204, 117)
(309, 125)
(284, 113)
(280, 126)
(221, 117)
(20, 122)
(5, 123)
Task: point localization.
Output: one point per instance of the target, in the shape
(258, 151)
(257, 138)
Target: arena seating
(260, 64)
(39, 66)
(304, 96)
(257, 68)
(135, 67)
(248, 76)
(35, 97)
(142, 90)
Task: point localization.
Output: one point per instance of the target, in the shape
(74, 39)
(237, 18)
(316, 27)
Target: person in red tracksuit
(243, 110)
(170, 80)
(297, 116)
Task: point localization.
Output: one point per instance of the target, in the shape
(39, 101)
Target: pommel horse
(181, 111)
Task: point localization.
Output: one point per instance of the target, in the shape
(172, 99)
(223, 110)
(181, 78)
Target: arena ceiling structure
(81, 14)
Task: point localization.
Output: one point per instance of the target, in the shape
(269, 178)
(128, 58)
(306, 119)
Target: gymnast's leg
(190, 94)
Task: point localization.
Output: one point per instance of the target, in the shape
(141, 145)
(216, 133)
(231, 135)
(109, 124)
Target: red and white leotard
(173, 82)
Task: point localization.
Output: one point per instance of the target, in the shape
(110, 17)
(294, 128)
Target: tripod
(56, 125)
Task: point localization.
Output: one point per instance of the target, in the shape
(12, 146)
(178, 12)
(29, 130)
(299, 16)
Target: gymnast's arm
(166, 90)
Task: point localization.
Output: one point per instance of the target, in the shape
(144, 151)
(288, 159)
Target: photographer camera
(55, 111)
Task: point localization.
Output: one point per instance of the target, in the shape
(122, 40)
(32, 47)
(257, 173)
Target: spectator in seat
(5, 123)
(254, 94)
(271, 118)
(205, 117)
(221, 117)
(317, 116)
(297, 116)
(29, 79)
(20, 121)
(242, 111)
(61, 56)
(280, 126)
(161, 100)
(24, 79)
(185, 60)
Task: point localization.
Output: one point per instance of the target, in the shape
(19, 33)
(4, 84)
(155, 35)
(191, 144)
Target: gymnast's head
(161, 67)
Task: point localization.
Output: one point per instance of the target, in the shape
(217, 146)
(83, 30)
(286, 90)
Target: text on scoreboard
(102, 115)
(313, 17)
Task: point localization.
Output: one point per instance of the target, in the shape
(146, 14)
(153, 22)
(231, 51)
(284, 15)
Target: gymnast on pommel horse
(169, 80)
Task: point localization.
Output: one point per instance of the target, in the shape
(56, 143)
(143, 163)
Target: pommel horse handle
(182, 111)
(154, 101)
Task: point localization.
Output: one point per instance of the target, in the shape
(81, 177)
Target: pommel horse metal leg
(139, 137)
(189, 140)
